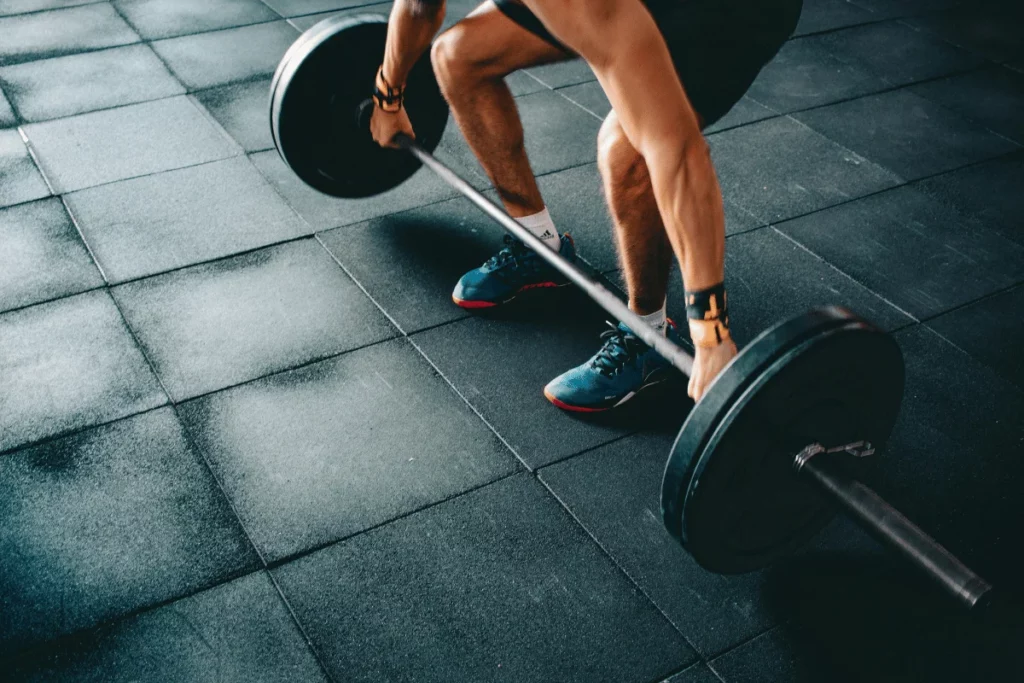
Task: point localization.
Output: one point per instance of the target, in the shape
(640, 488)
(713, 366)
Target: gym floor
(246, 436)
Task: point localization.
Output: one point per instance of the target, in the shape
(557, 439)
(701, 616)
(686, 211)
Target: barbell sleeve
(891, 527)
(670, 351)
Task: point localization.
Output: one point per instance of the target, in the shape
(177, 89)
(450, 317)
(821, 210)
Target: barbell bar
(774, 446)
(864, 505)
(669, 350)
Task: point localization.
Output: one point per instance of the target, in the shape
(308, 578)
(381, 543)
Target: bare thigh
(493, 45)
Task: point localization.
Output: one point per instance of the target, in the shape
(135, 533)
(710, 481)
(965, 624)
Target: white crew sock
(541, 225)
(657, 320)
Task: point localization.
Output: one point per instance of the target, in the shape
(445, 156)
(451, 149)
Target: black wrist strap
(387, 97)
(707, 304)
(708, 315)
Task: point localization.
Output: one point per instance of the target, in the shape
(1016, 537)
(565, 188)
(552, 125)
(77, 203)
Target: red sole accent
(470, 304)
(574, 409)
(538, 285)
(462, 303)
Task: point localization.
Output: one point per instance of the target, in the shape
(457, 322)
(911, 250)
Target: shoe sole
(584, 409)
(480, 303)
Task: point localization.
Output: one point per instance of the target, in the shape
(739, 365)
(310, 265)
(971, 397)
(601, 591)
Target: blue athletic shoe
(514, 269)
(618, 371)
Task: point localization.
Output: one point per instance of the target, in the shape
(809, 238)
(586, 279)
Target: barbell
(777, 442)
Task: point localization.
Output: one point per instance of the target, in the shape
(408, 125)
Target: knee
(619, 162)
(454, 60)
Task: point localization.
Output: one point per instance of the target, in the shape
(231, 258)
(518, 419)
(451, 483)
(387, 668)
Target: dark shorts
(718, 46)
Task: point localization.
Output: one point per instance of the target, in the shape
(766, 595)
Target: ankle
(542, 227)
(654, 316)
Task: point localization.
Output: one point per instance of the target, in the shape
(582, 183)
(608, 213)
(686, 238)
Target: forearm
(411, 29)
(690, 202)
(660, 122)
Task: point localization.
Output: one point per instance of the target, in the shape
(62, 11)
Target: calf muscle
(621, 42)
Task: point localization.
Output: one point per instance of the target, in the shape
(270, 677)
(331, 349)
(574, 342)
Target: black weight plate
(319, 106)
(730, 493)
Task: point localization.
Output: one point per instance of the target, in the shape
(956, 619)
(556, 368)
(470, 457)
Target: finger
(690, 384)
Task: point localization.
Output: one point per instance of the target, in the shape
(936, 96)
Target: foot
(618, 371)
(513, 270)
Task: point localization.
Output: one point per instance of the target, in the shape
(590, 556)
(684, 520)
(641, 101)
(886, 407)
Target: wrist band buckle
(387, 97)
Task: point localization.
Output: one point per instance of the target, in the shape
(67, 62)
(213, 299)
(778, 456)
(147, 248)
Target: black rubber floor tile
(506, 588)
(743, 112)
(992, 29)
(909, 639)
(558, 134)
(24, 6)
(107, 521)
(826, 15)
(521, 83)
(615, 493)
(952, 464)
(562, 74)
(771, 279)
(243, 111)
(501, 363)
(906, 133)
(993, 97)
(899, 53)
(456, 10)
(241, 630)
(410, 261)
(775, 657)
(305, 22)
(227, 322)
(155, 19)
(205, 60)
(991, 330)
(7, 115)
(332, 449)
(69, 364)
(20, 180)
(294, 8)
(905, 8)
(912, 250)
(64, 86)
(43, 257)
(186, 216)
(324, 212)
(62, 32)
(988, 192)
(698, 673)
(805, 73)
(778, 168)
(136, 140)
(590, 96)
